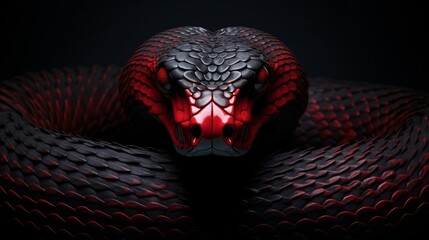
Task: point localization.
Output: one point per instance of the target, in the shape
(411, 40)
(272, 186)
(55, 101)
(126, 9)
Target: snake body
(83, 154)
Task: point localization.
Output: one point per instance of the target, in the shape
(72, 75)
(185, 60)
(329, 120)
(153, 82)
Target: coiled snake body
(83, 153)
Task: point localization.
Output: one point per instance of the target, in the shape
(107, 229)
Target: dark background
(380, 42)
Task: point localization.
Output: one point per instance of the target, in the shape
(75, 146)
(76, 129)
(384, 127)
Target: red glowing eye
(262, 75)
(162, 76)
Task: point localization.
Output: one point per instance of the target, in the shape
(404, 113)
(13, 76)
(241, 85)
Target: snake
(207, 134)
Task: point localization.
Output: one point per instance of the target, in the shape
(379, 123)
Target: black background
(380, 42)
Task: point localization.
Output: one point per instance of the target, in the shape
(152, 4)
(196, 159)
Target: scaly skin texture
(356, 166)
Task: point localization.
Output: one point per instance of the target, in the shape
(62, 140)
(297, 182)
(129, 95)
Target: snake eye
(261, 78)
(163, 79)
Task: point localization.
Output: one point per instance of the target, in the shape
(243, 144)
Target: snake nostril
(195, 131)
(228, 130)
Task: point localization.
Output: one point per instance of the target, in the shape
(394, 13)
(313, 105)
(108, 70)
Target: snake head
(213, 90)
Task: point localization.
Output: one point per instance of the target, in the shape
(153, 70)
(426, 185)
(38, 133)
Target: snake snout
(211, 123)
(211, 131)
